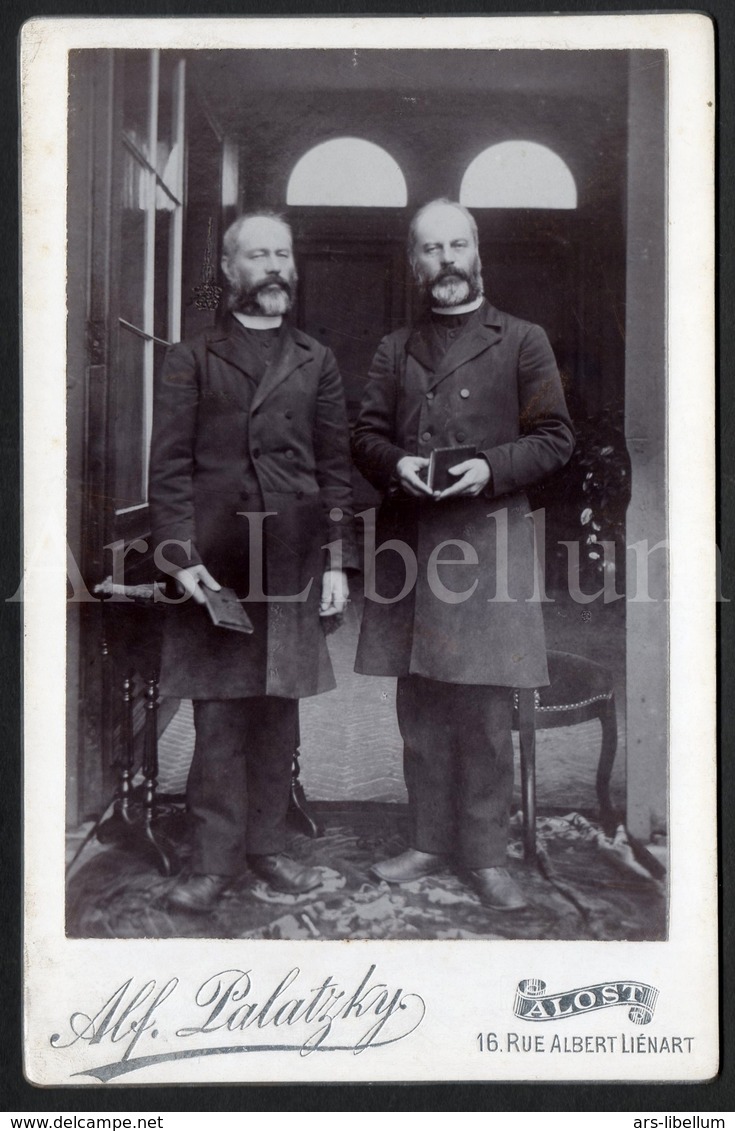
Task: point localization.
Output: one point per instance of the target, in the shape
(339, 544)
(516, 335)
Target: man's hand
(474, 476)
(335, 592)
(192, 579)
(407, 470)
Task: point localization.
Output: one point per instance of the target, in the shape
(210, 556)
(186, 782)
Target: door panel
(351, 294)
(346, 303)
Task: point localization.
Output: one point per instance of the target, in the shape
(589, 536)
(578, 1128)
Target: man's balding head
(257, 260)
(444, 255)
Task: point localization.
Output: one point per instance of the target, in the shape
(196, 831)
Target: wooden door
(352, 292)
(128, 176)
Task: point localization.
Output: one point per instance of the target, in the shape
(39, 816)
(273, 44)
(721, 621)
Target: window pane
(518, 174)
(129, 421)
(347, 171)
(159, 354)
(168, 152)
(136, 96)
(132, 248)
(161, 285)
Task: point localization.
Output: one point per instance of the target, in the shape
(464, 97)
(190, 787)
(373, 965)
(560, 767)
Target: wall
(645, 327)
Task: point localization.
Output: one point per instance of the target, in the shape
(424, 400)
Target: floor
(351, 748)
(584, 884)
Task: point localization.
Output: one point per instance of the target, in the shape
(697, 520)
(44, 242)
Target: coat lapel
(227, 344)
(419, 346)
(295, 351)
(465, 348)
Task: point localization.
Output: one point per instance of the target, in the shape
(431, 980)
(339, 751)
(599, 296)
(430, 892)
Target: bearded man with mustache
(450, 604)
(249, 480)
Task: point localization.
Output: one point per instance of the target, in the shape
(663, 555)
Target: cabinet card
(582, 148)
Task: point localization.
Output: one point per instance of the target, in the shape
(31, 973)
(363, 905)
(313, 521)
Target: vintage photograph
(369, 621)
(368, 258)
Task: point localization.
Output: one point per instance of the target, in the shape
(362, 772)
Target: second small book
(226, 610)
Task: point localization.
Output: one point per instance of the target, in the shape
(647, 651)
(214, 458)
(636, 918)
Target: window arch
(518, 174)
(347, 171)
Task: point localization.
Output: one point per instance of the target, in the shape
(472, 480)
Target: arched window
(518, 174)
(347, 171)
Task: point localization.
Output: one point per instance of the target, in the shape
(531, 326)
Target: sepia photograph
(373, 617)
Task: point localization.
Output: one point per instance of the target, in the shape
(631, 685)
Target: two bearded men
(251, 435)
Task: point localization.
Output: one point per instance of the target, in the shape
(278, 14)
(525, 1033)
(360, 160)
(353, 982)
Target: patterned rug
(584, 886)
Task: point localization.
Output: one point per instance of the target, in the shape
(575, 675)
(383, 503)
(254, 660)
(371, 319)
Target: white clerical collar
(466, 307)
(259, 321)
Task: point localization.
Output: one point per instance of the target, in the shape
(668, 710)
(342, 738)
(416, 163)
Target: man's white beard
(451, 292)
(455, 290)
(271, 301)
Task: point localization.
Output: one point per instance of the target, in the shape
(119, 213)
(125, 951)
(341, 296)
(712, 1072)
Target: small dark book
(441, 459)
(226, 610)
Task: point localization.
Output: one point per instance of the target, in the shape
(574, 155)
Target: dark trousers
(239, 780)
(458, 766)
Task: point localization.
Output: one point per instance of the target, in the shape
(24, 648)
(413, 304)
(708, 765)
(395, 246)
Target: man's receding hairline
(440, 202)
(232, 234)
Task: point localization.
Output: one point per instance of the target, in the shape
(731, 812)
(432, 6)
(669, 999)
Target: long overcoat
(475, 621)
(222, 449)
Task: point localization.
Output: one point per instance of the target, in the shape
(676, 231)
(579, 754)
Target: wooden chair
(579, 690)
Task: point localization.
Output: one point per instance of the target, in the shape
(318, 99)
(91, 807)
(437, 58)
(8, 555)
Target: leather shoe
(410, 865)
(200, 892)
(284, 874)
(497, 888)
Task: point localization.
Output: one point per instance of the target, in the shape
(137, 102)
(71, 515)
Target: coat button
(256, 453)
(288, 414)
(461, 436)
(429, 396)
(426, 436)
(464, 393)
(289, 453)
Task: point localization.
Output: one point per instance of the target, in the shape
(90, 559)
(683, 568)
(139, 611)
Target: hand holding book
(441, 461)
(467, 476)
(447, 473)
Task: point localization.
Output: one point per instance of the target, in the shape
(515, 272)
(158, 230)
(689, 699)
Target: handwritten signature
(324, 1018)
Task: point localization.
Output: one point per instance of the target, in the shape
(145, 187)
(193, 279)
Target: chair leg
(298, 811)
(298, 814)
(149, 767)
(132, 825)
(609, 722)
(527, 736)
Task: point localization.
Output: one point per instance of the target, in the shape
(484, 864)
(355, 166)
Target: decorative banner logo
(532, 1003)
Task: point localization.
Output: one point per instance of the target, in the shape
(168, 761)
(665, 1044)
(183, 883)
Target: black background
(16, 1094)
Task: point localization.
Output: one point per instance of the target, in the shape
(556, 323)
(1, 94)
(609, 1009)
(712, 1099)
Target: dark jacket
(497, 386)
(214, 436)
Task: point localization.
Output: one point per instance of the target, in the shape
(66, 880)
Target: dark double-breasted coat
(497, 387)
(224, 446)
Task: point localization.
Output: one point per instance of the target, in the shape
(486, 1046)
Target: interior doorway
(352, 292)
